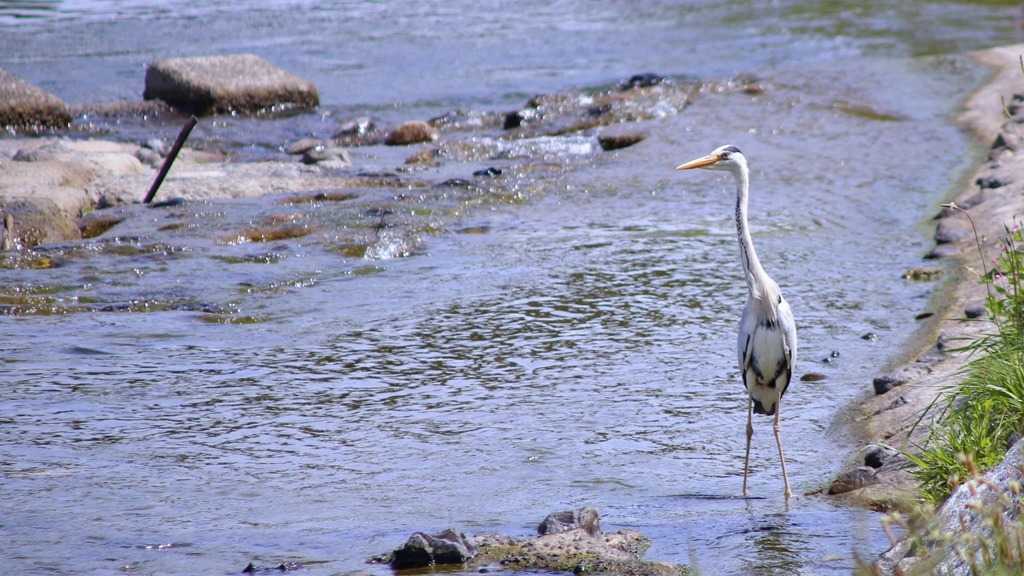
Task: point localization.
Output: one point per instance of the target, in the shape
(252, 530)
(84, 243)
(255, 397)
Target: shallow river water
(177, 399)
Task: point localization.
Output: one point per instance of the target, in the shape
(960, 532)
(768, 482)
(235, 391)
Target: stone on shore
(246, 83)
(23, 105)
(897, 377)
(963, 523)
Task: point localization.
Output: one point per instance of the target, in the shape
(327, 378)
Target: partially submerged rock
(23, 105)
(411, 132)
(618, 140)
(206, 85)
(586, 519)
(448, 547)
(568, 541)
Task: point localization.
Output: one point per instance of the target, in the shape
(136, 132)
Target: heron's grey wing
(788, 326)
(745, 340)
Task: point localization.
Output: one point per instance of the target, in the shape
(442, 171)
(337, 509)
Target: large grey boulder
(984, 510)
(23, 105)
(205, 85)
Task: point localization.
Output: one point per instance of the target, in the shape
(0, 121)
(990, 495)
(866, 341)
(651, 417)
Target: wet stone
(96, 223)
(851, 480)
(23, 105)
(37, 222)
(425, 157)
(645, 80)
(585, 518)
(422, 550)
(206, 85)
(897, 377)
(988, 182)
(923, 274)
(303, 146)
(618, 141)
(412, 132)
(876, 455)
(333, 155)
(975, 309)
(359, 132)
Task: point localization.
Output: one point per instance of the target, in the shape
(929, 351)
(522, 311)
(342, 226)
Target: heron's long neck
(761, 287)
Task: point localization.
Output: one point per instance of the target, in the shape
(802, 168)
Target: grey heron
(766, 344)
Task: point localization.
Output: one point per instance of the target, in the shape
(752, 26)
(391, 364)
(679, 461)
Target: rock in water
(585, 518)
(207, 85)
(23, 105)
(619, 140)
(421, 550)
(851, 480)
(412, 132)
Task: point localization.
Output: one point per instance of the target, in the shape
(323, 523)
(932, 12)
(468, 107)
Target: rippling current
(175, 399)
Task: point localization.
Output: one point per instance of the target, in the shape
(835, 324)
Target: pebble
(618, 141)
(333, 154)
(412, 132)
(425, 157)
(975, 310)
(303, 146)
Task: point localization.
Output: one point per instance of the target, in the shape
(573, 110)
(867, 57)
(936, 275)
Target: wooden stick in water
(182, 136)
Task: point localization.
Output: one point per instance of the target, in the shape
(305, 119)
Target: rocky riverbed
(51, 188)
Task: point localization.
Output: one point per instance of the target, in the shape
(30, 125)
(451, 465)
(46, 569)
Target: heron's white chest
(766, 343)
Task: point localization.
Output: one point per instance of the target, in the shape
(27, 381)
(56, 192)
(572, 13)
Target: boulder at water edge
(23, 105)
(208, 85)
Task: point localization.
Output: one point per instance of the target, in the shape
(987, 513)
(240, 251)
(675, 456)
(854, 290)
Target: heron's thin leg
(750, 432)
(778, 439)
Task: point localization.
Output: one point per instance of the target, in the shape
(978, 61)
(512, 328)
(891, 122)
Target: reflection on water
(311, 378)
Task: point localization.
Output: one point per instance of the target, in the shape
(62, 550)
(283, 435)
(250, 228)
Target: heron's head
(726, 157)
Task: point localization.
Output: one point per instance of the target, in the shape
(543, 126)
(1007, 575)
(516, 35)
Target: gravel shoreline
(993, 196)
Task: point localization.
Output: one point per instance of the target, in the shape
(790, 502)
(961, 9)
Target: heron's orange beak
(699, 162)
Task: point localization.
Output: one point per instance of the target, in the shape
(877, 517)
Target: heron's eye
(723, 156)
